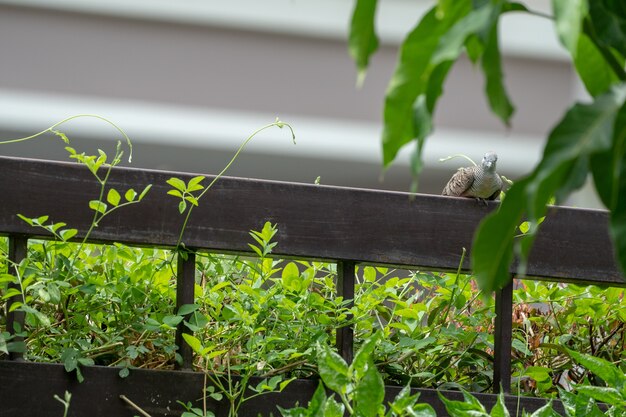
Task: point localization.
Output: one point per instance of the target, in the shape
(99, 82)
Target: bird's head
(489, 161)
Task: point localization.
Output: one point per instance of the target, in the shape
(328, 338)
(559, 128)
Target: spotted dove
(481, 182)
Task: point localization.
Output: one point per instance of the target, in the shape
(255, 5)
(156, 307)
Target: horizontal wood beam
(314, 221)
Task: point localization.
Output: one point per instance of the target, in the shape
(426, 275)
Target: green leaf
(332, 369)
(124, 372)
(609, 23)
(194, 184)
(332, 408)
(144, 192)
(609, 175)
(411, 75)
(369, 393)
(469, 407)
(187, 309)
(602, 368)
(593, 69)
(606, 395)
(362, 40)
(26, 219)
(545, 411)
(194, 343)
(363, 358)
(98, 206)
(175, 193)
(113, 197)
(451, 43)
(130, 195)
(177, 183)
(569, 15)
(499, 409)
(182, 206)
(494, 87)
(585, 129)
(291, 277)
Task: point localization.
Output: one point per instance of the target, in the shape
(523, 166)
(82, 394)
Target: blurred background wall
(189, 80)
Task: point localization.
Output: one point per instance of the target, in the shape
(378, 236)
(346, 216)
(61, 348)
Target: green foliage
(589, 138)
(359, 387)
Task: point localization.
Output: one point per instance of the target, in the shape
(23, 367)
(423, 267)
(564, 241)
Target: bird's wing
(460, 182)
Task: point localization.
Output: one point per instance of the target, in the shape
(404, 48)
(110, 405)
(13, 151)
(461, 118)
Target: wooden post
(345, 289)
(18, 247)
(185, 285)
(502, 339)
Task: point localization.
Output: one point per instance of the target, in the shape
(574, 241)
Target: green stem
(119, 129)
(256, 132)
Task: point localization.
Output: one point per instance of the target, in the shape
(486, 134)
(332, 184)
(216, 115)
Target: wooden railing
(342, 225)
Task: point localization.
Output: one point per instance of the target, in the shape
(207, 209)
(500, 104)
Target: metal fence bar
(345, 288)
(185, 284)
(502, 338)
(18, 247)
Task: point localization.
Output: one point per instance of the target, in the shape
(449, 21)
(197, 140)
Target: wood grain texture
(319, 222)
(32, 387)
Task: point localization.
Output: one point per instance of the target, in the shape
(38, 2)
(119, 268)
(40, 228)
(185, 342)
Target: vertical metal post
(502, 338)
(345, 289)
(185, 285)
(18, 247)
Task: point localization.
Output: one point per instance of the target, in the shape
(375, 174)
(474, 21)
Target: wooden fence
(342, 225)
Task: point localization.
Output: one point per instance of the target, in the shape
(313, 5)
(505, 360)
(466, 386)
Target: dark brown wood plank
(28, 390)
(320, 222)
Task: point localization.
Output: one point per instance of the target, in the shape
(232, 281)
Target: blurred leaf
(609, 22)
(492, 68)
(411, 75)
(585, 129)
(569, 15)
(363, 41)
(499, 409)
(592, 67)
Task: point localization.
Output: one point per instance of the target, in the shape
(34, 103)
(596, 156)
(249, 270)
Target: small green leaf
(182, 206)
(130, 195)
(144, 192)
(124, 372)
(26, 219)
(67, 234)
(500, 410)
(194, 184)
(194, 343)
(177, 183)
(113, 197)
(175, 193)
(98, 206)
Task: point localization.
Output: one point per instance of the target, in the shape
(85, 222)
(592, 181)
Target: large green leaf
(333, 369)
(569, 15)
(492, 68)
(363, 41)
(610, 373)
(609, 21)
(594, 71)
(411, 77)
(369, 393)
(585, 130)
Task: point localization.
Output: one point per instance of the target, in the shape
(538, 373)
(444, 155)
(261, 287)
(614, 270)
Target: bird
(480, 182)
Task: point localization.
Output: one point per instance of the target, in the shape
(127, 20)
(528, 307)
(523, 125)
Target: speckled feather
(476, 181)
